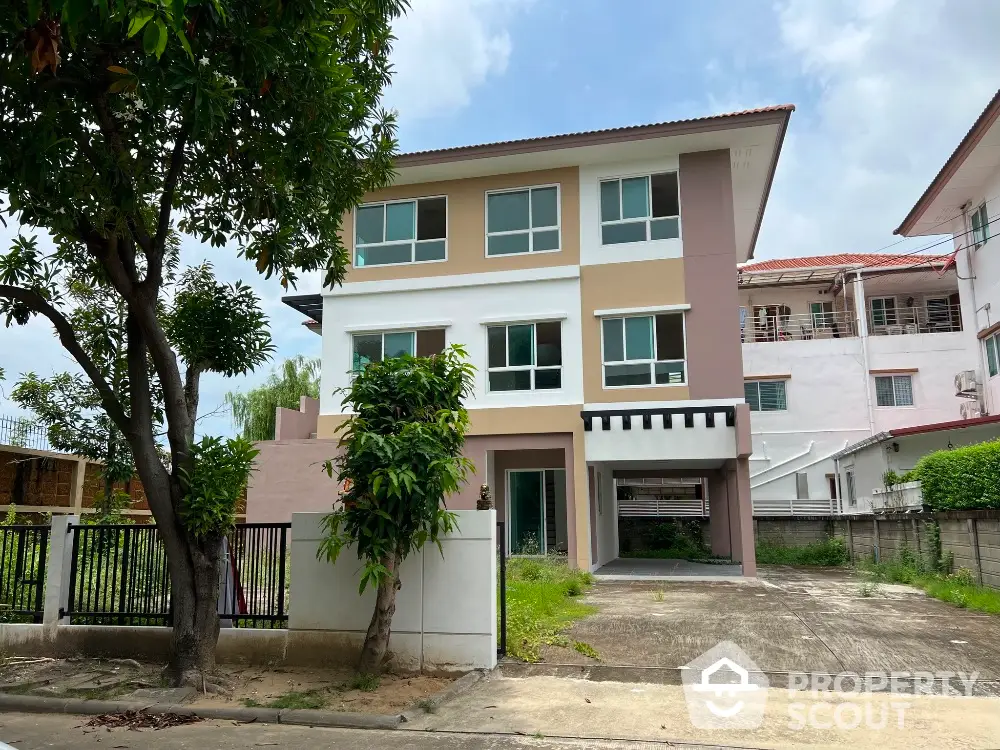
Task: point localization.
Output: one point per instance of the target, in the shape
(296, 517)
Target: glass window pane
(510, 380)
(548, 337)
(670, 336)
(614, 347)
(617, 375)
(664, 190)
(506, 212)
(400, 219)
(544, 211)
(610, 209)
(496, 337)
(432, 219)
(367, 348)
(616, 234)
(664, 229)
(398, 344)
(669, 373)
(903, 387)
(382, 255)
(752, 395)
(991, 355)
(369, 227)
(430, 250)
(430, 342)
(546, 240)
(883, 392)
(548, 379)
(519, 345)
(639, 338)
(507, 244)
(772, 396)
(635, 198)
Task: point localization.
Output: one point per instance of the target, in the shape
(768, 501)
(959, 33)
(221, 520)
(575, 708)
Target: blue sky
(884, 90)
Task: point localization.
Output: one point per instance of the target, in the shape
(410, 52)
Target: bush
(962, 478)
(829, 552)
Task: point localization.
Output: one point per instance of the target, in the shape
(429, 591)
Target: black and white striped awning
(665, 418)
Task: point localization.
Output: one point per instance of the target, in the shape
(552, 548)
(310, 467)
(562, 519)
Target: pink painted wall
(289, 478)
(297, 425)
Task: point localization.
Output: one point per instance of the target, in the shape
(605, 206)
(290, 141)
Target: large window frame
(896, 388)
(980, 226)
(777, 401)
(414, 243)
(992, 344)
(533, 368)
(670, 222)
(531, 230)
(650, 362)
(414, 345)
(889, 313)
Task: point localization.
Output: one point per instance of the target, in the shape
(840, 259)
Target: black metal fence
(22, 572)
(24, 433)
(502, 589)
(119, 576)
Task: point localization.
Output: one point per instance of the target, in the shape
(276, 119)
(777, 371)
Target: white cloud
(444, 50)
(896, 86)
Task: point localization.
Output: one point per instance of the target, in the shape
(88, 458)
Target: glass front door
(527, 512)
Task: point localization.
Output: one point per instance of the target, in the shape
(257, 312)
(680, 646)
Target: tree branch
(192, 385)
(35, 301)
(155, 260)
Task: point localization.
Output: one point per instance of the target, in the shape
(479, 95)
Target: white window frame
(852, 491)
(651, 362)
(509, 526)
(984, 226)
(530, 230)
(895, 311)
(995, 338)
(534, 356)
(895, 404)
(413, 242)
(649, 197)
(784, 388)
(821, 319)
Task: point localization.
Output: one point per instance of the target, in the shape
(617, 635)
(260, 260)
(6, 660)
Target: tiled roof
(622, 130)
(868, 260)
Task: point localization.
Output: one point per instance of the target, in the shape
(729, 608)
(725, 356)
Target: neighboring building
(837, 349)
(863, 465)
(964, 200)
(592, 278)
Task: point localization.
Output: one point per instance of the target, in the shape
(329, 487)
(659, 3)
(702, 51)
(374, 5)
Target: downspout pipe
(860, 310)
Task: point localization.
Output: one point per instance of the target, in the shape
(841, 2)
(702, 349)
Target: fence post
(57, 571)
(974, 541)
(850, 540)
(876, 541)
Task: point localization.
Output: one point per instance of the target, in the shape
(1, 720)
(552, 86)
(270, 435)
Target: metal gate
(22, 572)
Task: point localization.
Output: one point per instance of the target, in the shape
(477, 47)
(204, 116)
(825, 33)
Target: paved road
(57, 732)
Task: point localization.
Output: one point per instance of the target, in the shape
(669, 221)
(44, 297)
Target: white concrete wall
(464, 312)
(607, 517)
(446, 610)
(679, 443)
(796, 298)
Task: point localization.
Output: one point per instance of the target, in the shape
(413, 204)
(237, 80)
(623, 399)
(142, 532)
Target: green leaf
(182, 38)
(161, 39)
(140, 19)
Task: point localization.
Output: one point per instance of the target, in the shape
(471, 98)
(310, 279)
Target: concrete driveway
(789, 620)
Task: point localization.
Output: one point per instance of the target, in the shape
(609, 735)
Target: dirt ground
(330, 689)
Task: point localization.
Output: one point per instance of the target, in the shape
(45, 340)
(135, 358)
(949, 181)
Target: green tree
(401, 457)
(248, 124)
(254, 411)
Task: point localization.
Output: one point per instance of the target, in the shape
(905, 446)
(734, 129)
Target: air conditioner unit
(970, 410)
(965, 384)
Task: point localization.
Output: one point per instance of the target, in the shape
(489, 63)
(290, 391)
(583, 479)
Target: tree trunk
(377, 639)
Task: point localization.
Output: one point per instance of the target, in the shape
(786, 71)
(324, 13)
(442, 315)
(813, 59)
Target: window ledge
(637, 310)
(389, 327)
(648, 385)
(536, 318)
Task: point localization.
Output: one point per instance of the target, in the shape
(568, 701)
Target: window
(637, 209)
(374, 347)
(831, 480)
(852, 498)
(802, 486)
(822, 314)
(765, 395)
(401, 232)
(980, 226)
(522, 221)
(525, 356)
(894, 390)
(993, 354)
(884, 311)
(644, 350)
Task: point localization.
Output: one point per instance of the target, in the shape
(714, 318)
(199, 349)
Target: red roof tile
(867, 260)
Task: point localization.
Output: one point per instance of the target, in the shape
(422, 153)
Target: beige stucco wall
(289, 478)
(467, 226)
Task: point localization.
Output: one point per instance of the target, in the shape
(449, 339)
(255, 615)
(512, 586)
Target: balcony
(771, 326)
(928, 318)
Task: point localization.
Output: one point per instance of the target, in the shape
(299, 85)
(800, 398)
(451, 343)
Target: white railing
(917, 319)
(902, 497)
(799, 327)
(796, 507)
(651, 506)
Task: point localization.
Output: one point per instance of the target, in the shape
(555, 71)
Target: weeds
(366, 683)
(428, 705)
(829, 552)
(586, 649)
(869, 589)
(658, 595)
(308, 699)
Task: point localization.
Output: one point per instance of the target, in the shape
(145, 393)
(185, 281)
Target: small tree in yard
(401, 457)
(252, 124)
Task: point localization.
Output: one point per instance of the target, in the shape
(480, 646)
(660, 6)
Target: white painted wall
(679, 443)
(607, 516)
(446, 610)
(464, 312)
(797, 298)
(591, 250)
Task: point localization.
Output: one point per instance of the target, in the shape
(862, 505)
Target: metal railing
(119, 576)
(795, 507)
(653, 506)
(799, 327)
(22, 572)
(22, 432)
(917, 319)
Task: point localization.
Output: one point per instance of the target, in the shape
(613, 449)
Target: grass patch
(829, 552)
(428, 705)
(541, 603)
(308, 699)
(958, 588)
(366, 683)
(586, 649)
